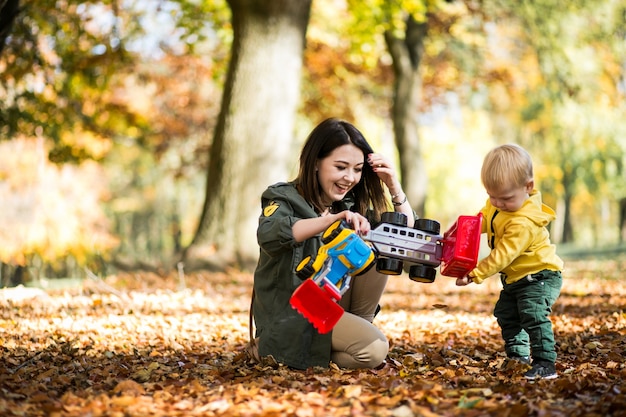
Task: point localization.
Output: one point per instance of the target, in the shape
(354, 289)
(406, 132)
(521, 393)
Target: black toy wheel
(305, 268)
(422, 273)
(389, 266)
(333, 231)
(394, 218)
(429, 226)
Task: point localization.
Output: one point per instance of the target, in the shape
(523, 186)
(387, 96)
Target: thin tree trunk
(407, 54)
(8, 12)
(254, 132)
(622, 220)
(568, 181)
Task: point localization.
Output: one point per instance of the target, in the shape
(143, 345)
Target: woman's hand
(359, 223)
(305, 229)
(385, 171)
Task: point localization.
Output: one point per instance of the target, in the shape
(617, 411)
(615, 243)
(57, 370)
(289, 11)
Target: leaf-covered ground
(141, 345)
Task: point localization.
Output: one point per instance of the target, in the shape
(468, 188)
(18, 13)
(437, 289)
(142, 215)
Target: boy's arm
(516, 239)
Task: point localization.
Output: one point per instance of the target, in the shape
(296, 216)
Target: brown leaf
(128, 387)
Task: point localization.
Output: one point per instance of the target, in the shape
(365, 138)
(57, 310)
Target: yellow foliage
(454, 155)
(48, 210)
(93, 144)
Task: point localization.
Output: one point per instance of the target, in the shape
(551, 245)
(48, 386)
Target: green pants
(523, 312)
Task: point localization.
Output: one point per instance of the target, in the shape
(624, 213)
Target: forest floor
(143, 345)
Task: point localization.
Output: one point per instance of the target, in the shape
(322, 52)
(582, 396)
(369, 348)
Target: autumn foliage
(143, 345)
(48, 211)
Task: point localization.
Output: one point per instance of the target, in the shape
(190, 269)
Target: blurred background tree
(124, 99)
(570, 107)
(252, 140)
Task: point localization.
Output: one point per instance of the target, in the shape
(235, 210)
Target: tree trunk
(407, 54)
(622, 220)
(254, 132)
(568, 230)
(8, 12)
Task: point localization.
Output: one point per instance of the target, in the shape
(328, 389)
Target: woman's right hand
(359, 223)
(305, 229)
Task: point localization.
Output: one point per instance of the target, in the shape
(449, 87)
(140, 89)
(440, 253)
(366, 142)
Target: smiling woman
(340, 178)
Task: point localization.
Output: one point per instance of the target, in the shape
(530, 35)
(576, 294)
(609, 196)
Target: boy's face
(510, 198)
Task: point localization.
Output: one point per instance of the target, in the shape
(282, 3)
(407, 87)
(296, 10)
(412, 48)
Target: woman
(340, 177)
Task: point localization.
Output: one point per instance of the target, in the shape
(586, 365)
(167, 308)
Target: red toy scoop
(316, 305)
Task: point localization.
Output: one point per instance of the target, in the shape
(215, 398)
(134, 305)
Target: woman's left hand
(385, 171)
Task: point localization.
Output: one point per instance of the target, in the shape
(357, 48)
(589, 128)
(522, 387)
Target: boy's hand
(464, 281)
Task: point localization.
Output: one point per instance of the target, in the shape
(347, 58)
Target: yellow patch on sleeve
(270, 208)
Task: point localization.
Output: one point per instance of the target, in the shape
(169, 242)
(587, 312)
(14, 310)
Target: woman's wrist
(399, 198)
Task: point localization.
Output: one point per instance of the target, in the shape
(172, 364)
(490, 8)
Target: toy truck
(424, 248)
(343, 254)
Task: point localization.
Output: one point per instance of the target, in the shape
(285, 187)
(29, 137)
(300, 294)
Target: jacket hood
(536, 211)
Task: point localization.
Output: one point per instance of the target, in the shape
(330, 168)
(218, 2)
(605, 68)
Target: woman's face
(339, 172)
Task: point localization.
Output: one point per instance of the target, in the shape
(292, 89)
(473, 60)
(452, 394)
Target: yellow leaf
(352, 391)
(123, 401)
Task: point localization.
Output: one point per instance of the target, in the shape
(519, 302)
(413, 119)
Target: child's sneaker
(541, 370)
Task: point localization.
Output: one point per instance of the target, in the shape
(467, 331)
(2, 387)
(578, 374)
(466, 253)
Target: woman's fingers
(359, 223)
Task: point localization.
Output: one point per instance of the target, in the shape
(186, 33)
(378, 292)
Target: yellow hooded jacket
(519, 241)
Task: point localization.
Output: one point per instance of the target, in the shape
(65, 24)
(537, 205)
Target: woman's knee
(376, 353)
(356, 343)
(368, 355)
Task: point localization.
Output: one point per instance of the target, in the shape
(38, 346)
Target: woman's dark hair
(332, 133)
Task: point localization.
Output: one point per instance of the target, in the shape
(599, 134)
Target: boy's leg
(364, 294)
(516, 341)
(356, 343)
(535, 302)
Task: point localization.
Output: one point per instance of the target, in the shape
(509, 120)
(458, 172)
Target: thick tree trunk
(253, 136)
(407, 54)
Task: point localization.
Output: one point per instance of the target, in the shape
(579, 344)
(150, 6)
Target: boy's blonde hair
(506, 166)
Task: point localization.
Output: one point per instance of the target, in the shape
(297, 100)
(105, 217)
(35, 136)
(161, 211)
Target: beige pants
(356, 342)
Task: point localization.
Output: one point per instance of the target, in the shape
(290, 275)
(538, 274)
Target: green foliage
(63, 65)
(572, 106)
(371, 18)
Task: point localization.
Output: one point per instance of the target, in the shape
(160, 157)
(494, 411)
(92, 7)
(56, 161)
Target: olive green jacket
(282, 331)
